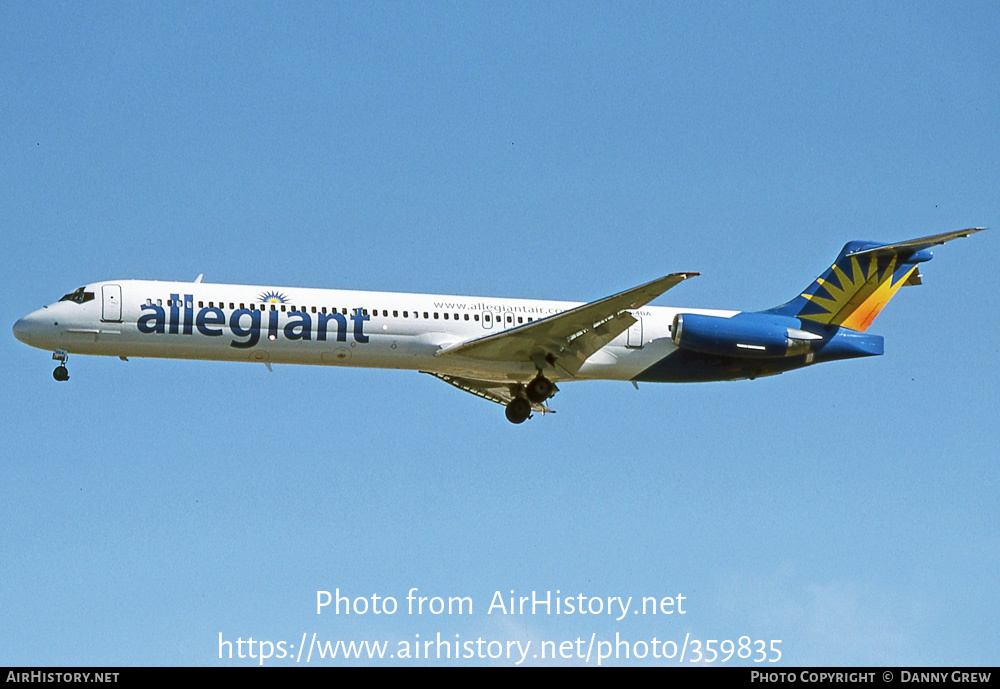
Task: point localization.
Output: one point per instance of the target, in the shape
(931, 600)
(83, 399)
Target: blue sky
(556, 150)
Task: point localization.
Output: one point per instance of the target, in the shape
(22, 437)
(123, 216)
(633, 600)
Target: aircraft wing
(494, 392)
(567, 339)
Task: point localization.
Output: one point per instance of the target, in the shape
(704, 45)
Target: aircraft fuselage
(217, 322)
(508, 351)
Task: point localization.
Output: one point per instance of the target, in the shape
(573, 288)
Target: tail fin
(865, 276)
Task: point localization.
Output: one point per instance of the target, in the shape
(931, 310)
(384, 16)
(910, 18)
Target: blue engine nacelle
(745, 335)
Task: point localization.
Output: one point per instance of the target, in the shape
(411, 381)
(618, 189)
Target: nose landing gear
(61, 373)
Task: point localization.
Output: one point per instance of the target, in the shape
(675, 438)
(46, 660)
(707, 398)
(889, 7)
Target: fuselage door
(112, 296)
(634, 339)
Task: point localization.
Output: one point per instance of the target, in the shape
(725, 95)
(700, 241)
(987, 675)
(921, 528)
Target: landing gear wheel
(61, 373)
(518, 410)
(540, 389)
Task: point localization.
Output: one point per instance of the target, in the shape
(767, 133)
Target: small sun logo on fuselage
(273, 298)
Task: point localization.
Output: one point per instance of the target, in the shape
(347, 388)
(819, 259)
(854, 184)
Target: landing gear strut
(61, 373)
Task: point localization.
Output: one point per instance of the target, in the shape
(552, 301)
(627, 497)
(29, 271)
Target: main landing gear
(540, 389)
(518, 410)
(537, 391)
(61, 373)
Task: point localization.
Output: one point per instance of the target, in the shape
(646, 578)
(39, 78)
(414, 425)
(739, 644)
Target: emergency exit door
(634, 338)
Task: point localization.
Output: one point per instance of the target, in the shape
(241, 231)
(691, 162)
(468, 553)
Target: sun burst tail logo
(273, 297)
(852, 292)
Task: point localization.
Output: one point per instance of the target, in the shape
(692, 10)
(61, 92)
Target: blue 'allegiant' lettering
(300, 328)
(359, 318)
(188, 313)
(272, 324)
(174, 309)
(207, 317)
(325, 318)
(252, 333)
(210, 322)
(152, 322)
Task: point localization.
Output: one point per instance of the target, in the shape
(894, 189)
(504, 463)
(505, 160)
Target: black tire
(539, 390)
(60, 373)
(518, 410)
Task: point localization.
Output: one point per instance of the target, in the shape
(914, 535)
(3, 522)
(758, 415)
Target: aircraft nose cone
(31, 328)
(21, 330)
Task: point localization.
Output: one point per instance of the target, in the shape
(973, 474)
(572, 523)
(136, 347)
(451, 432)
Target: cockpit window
(79, 296)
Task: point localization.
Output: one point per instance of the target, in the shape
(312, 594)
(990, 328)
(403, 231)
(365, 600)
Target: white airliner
(508, 351)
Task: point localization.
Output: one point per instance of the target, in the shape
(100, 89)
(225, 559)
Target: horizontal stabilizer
(914, 245)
